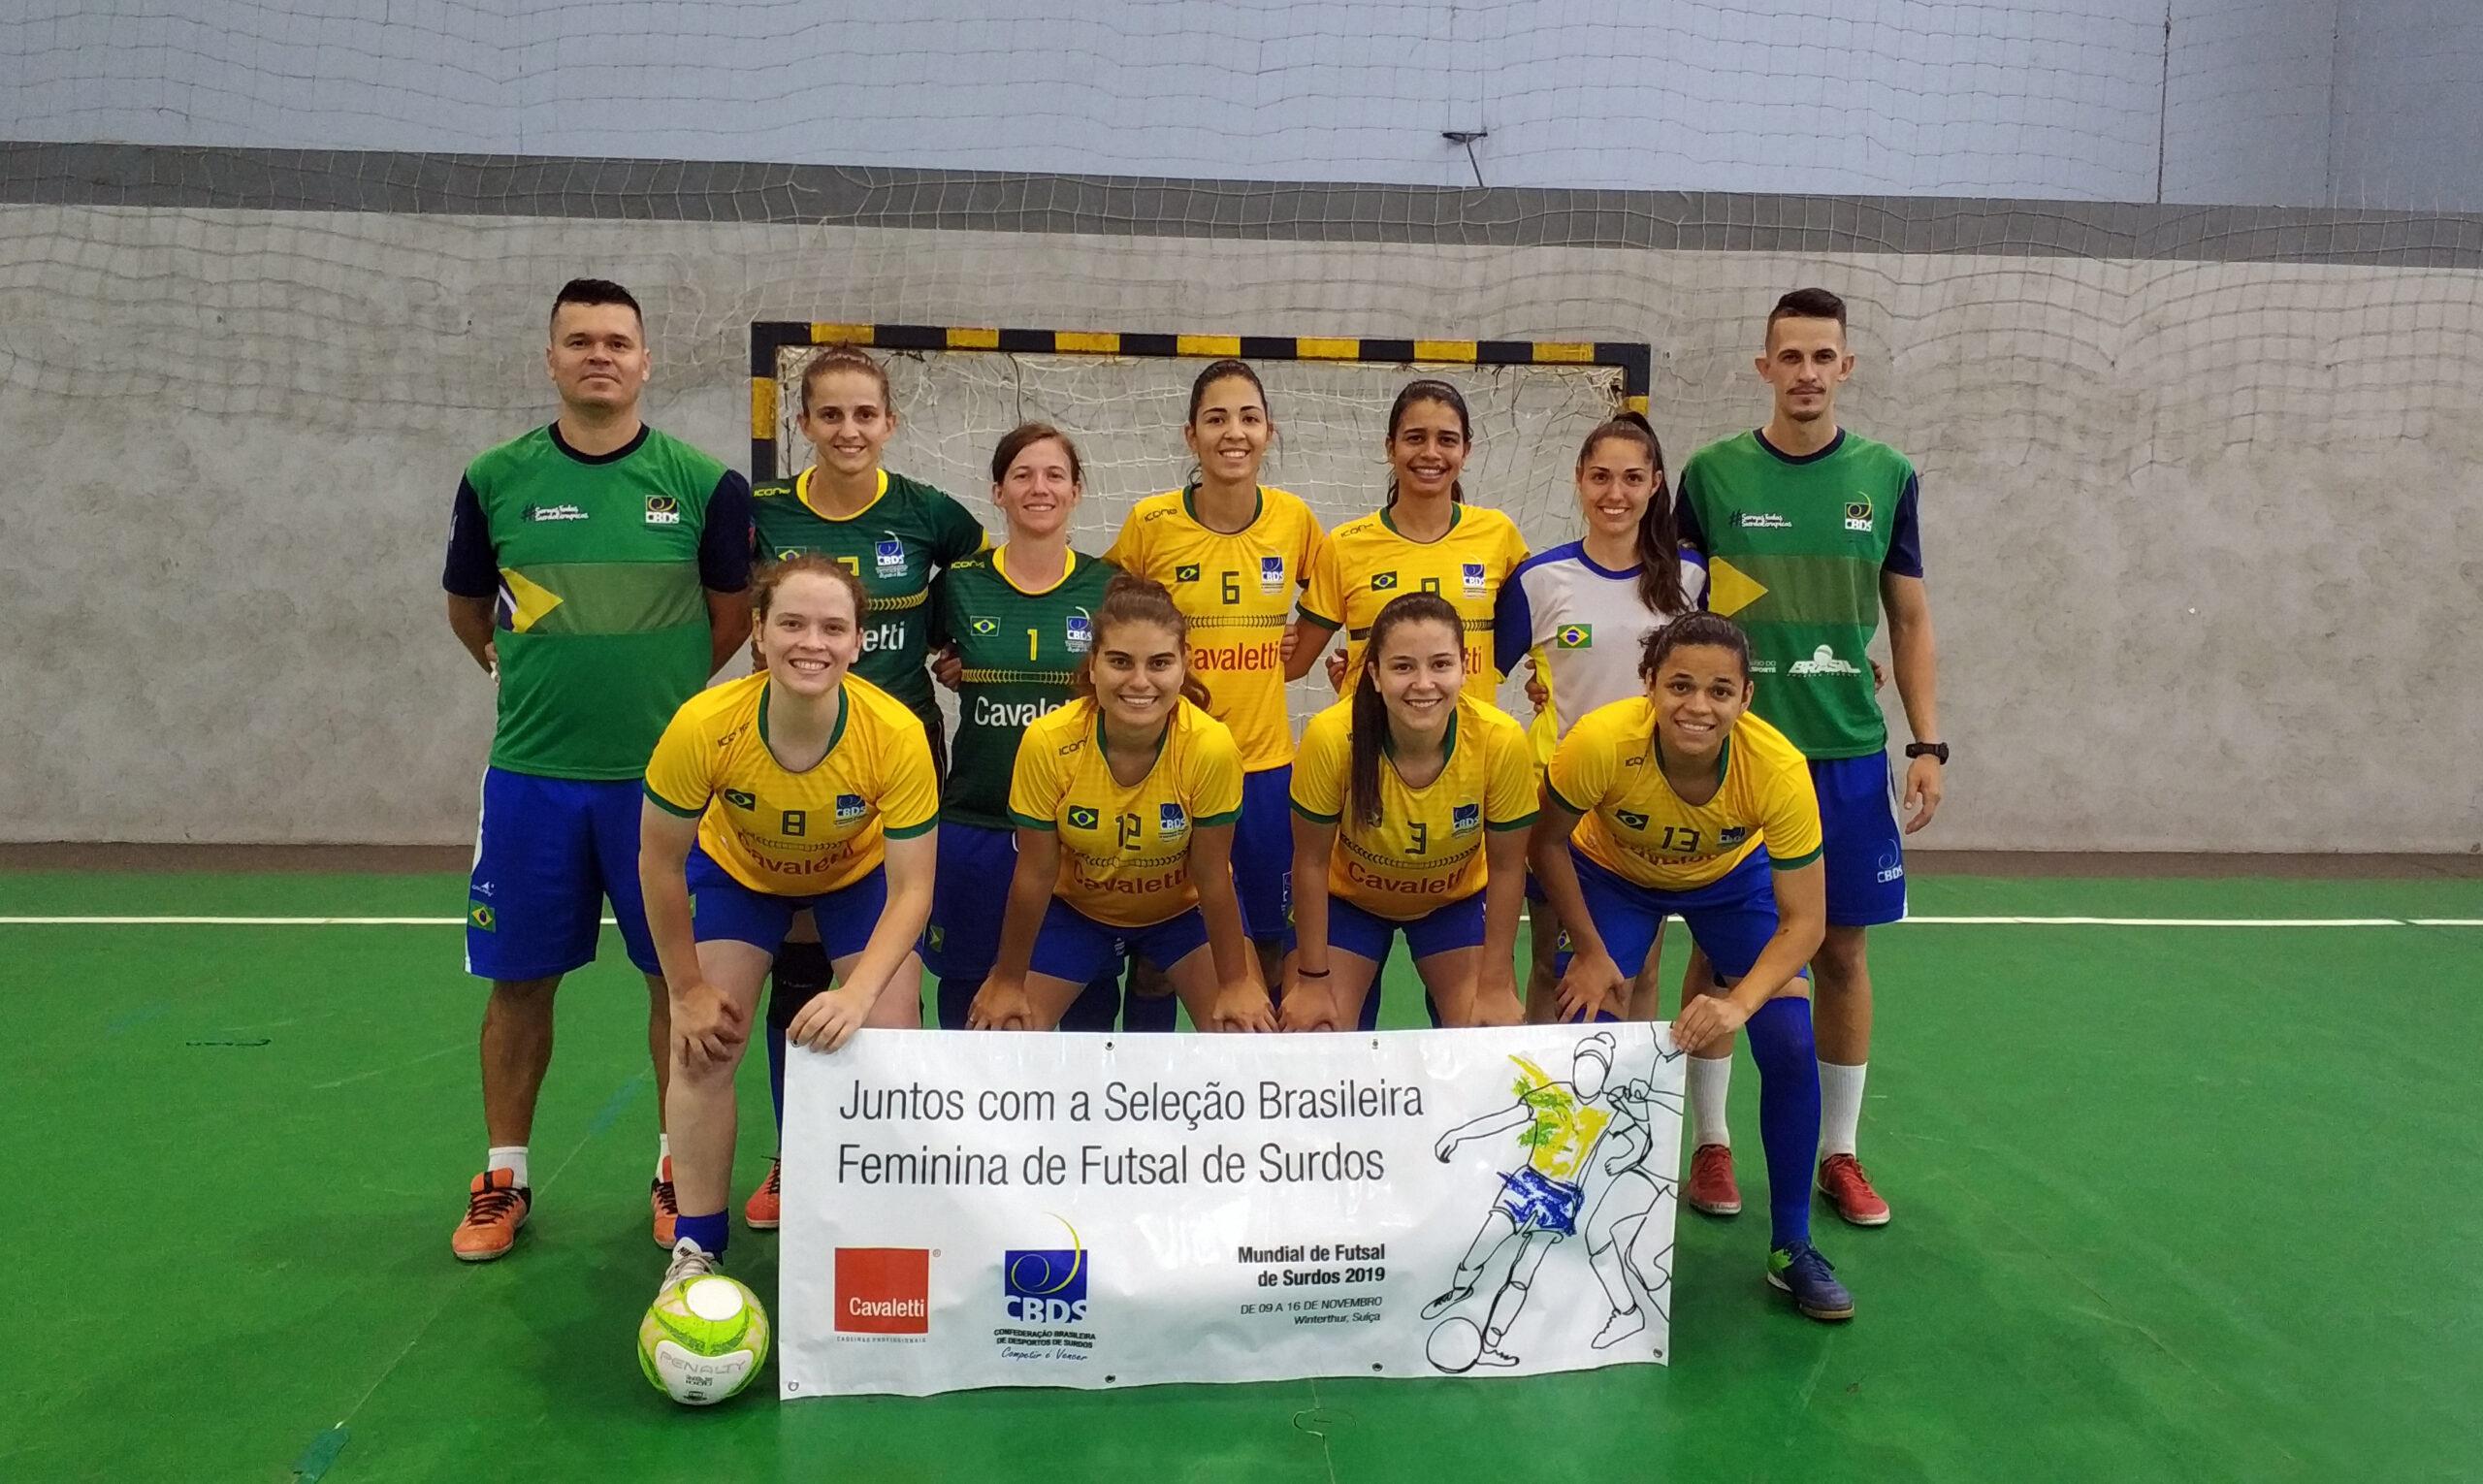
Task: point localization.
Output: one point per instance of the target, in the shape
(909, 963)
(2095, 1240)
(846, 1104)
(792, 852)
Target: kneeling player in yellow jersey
(801, 788)
(1124, 802)
(1681, 802)
(1411, 804)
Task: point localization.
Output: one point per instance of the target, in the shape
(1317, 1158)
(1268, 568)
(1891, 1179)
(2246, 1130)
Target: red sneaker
(496, 1207)
(1849, 1190)
(1710, 1181)
(660, 1201)
(766, 1208)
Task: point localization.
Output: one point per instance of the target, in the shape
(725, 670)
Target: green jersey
(892, 544)
(1794, 548)
(596, 563)
(1019, 650)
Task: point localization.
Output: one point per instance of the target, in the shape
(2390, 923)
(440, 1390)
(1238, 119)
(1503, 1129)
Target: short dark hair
(596, 291)
(1807, 304)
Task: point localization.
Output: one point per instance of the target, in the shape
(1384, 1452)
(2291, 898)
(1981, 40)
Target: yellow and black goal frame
(769, 338)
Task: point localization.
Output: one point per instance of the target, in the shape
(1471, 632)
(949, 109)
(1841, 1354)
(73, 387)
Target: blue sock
(776, 1073)
(709, 1231)
(1789, 1112)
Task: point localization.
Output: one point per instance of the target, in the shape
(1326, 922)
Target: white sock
(1709, 1078)
(663, 1151)
(510, 1157)
(1840, 1106)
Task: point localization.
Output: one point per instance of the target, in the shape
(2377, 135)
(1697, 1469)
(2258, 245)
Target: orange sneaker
(660, 1201)
(766, 1208)
(1710, 1181)
(496, 1207)
(1849, 1190)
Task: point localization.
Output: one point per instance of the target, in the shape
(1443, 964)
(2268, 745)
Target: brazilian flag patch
(1630, 819)
(987, 626)
(741, 800)
(1382, 582)
(1082, 818)
(1189, 573)
(479, 915)
(1573, 636)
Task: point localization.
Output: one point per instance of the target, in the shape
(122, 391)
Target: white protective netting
(1126, 413)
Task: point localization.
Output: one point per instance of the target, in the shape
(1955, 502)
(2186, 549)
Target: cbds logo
(1046, 1286)
(883, 1291)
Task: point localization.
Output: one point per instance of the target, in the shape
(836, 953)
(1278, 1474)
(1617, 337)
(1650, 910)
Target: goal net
(1125, 414)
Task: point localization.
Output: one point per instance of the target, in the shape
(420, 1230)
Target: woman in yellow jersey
(1124, 802)
(1425, 539)
(801, 788)
(1233, 553)
(1680, 801)
(1410, 802)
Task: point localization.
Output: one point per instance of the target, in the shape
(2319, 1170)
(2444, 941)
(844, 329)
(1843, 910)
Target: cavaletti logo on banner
(883, 1291)
(967, 1210)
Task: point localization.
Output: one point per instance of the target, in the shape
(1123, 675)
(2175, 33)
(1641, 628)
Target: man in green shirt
(598, 571)
(1810, 533)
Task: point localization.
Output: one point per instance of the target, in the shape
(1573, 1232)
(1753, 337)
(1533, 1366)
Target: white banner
(983, 1208)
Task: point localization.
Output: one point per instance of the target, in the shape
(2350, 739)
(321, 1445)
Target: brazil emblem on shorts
(481, 916)
(1573, 636)
(1081, 817)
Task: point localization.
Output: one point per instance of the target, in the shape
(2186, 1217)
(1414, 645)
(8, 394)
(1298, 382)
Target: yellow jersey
(1428, 847)
(1125, 847)
(1363, 563)
(1609, 769)
(788, 833)
(1236, 592)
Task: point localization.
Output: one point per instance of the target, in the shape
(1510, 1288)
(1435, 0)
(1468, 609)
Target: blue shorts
(1537, 1202)
(969, 893)
(548, 853)
(1074, 947)
(1450, 925)
(1263, 855)
(1731, 918)
(1860, 841)
(724, 910)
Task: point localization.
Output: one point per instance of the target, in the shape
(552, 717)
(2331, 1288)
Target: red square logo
(883, 1291)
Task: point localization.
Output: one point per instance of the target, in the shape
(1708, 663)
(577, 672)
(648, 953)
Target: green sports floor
(2172, 1203)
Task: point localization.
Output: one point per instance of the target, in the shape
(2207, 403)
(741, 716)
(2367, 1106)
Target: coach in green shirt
(599, 572)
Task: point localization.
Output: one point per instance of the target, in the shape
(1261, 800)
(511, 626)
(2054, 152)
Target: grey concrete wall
(2202, 536)
(2213, 101)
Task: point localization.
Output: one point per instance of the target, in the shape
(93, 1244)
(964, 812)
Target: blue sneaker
(1800, 1271)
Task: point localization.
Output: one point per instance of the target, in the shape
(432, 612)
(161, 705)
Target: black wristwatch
(1933, 750)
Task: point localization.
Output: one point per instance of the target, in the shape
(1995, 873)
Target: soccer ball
(703, 1339)
(1456, 1345)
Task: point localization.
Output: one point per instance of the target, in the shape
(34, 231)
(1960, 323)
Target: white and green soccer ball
(703, 1339)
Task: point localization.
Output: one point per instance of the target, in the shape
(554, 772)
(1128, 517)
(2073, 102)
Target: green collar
(844, 711)
(1724, 760)
(1388, 518)
(1190, 507)
(1447, 749)
(1161, 739)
